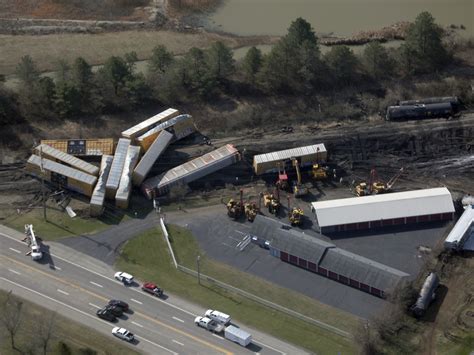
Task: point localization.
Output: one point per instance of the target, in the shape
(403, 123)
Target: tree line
(294, 66)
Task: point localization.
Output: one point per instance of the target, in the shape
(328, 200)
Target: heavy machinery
(319, 172)
(272, 201)
(298, 188)
(251, 211)
(282, 182)
(35, 248)
(375, 185)
(295, 214)
(235, 208)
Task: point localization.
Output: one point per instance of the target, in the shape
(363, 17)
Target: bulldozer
(272, 202)
(298, 188)
(375, 186)
(235, 208)
(295, 214)
(251, 211)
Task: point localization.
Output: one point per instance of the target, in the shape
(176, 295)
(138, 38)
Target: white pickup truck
(219, 317)
(209, 324)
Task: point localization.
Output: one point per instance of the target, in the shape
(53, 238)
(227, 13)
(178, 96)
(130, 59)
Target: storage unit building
(98, 195)
(83, 147)
(462, 234)
(115, 173)
(269, 162)
(123, 192)
(377, 211)
(190, 171)
(325, 259)
(61, 176)
(151, 156)
(58, 156)
(137, 130)
(180, 126)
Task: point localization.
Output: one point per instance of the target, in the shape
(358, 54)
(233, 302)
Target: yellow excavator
(298, 188)
(375, 185)
(295, 214)
(235, 208)
(251, 211)
(319, 172)
(272, 202)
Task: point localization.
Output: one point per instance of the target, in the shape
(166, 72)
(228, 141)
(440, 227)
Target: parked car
(120, 304)
(106, 314)
(123, 334)
(124, 277)
(218, 316)
(152, 288)
(115, 310)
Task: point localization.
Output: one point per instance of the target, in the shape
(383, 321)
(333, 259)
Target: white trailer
(219, 317)
(237, 335)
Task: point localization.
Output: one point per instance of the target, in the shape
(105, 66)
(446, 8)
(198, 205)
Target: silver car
(123, 334)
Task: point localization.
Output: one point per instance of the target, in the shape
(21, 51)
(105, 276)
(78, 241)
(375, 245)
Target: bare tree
(45, 330)
(10, 317)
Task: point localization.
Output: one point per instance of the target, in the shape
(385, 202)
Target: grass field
(147, 257)
(77, 337)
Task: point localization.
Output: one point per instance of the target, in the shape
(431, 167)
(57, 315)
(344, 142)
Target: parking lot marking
(137, 324)
(94, 305)
(16, 251)
(177, 342)
(179, 320)
(96, 284)
(63, 292)
(134, 300)
(14, 271)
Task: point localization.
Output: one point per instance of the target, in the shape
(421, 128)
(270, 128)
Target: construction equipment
(295, 214)
(235, 208)
(272, 201)
(375, 185)
(35, 248)
(319, 172)
(298, 188)
(251, 211)
(282, 182)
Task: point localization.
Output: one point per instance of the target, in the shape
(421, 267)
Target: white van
(218, 316)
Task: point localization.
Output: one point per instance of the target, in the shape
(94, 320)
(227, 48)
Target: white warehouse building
(375, 211)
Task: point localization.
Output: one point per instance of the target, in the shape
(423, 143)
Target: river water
(340, 17)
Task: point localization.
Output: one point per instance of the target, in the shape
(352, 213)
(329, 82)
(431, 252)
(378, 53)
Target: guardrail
(249, 295)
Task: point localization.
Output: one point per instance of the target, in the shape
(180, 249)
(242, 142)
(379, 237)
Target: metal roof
(68, 159)
(115, 174)
(166, 124)
(98, 195)
(463, 230)
(123, 191)
(285, 238)
(290, 153)
(151, 122)
(361, 269)
(153, 153)
(63, 170)
(381, 207)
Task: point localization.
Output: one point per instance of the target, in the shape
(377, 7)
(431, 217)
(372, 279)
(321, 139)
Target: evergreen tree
(220, 61)
(252, 64)
(343, 64)
(377, 61)
(27, 71)
(160, 60)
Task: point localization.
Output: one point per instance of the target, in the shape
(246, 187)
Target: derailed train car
(453, 100)
(420, 111)
(426, 296)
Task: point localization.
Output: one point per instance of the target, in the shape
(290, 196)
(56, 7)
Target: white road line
(16, 251)
(96, 284)
(94, 305)
(268, 346)
(217, 336)
(57, 268)
(134, 300)
(241, 232)
(14, 271)
(155, 344)
(179, 320)
(110, 279)
(83, 313)
(137, 324)
(177, 342)
(63, 292)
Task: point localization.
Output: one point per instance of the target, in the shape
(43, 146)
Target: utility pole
(198, 269)
(42, 183)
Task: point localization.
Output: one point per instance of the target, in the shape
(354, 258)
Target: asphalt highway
(76, 285)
